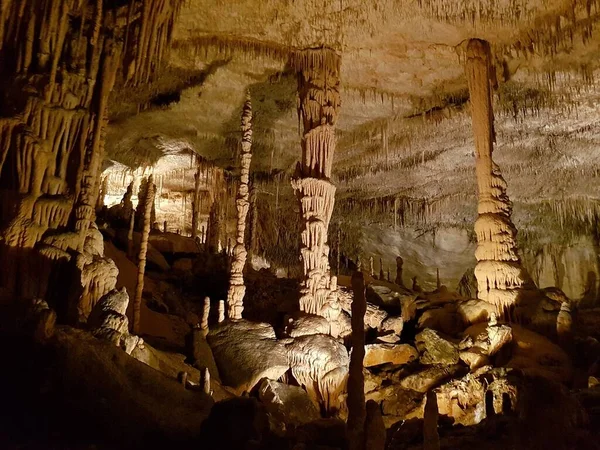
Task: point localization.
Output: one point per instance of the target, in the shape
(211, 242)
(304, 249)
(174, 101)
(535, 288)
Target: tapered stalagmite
(500, 275)
(356, 389)
(196, 202)
(318, 88)
(139, 288)
(431, 437)
(399, 265)
(235, 295)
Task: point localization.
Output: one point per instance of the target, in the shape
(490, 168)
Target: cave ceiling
(404, 128)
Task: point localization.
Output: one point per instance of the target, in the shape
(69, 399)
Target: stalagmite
(371, 267)
(221, 311)
(237, 289)
(205, 314)
(399, 264)
(356, 390)
(206, 382)
(381, 273)
(319, 102)
(130, 235)
(139, 288)
(431, 437)
(500, 276)
(196, 202)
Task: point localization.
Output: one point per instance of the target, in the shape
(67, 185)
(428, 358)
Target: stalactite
(237, 289)
(431, 437)
(356, 389)
(500, 276)
(319, 102)
(139, 288)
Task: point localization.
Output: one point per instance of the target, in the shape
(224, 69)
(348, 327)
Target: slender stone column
(500, 275)
(235, 295)
(196, 202)
(318, 89)
(147, 222)
(356, 380)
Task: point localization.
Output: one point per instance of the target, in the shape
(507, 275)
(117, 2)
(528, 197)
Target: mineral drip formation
(500, 276)
(235, 295)
(147, 223)
(319, 103)
(59, 62)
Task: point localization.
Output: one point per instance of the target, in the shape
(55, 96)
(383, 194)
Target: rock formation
(356, 390)
(146, 223)
(237, 289)
(500, 275)
(318, 90)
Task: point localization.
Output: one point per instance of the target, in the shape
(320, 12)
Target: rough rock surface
(247, 352)
(288, 406)
(434, 349)
(376, 354)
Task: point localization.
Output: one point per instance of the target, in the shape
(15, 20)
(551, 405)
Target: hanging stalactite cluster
(59, 62)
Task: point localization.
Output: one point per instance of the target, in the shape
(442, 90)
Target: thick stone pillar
(500, 275)
(235, 295)
(318, 89)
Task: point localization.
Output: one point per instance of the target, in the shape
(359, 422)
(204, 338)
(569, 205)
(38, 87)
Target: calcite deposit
(177, 272)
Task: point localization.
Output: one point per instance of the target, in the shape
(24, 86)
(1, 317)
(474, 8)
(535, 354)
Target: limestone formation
(399, 266)
(356, 391)
(237, 289)
(431, 438)
(139, 288)
(397, 354)
(108, 321)
(318, 89)
(205, 315)
(319, 363)
(500, 275)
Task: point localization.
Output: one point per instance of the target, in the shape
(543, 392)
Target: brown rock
(436, 350)
(376, 354)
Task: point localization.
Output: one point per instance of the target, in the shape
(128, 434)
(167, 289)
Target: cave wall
(571, 266)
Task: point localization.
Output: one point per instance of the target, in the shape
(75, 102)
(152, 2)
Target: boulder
(302, 324)
(374, 316)
(393, 324)
(434, 349)
(287, 406)
(533, 353)
(320, 363)
(246, 352)
(445, 319)
(430, 377)
(376, 354)
(173, 243)
(183, 265)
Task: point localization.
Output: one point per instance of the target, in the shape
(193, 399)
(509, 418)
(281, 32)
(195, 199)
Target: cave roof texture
(404, 128)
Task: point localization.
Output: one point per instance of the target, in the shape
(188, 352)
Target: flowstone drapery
(319, 103)
(500, 275)
(237, 289)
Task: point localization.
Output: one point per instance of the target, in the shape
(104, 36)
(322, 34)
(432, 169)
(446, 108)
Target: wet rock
(376, 354)
(436, 350)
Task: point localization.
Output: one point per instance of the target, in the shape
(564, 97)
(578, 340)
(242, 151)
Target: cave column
(499, 273)
(235, 295)
(319, 102)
